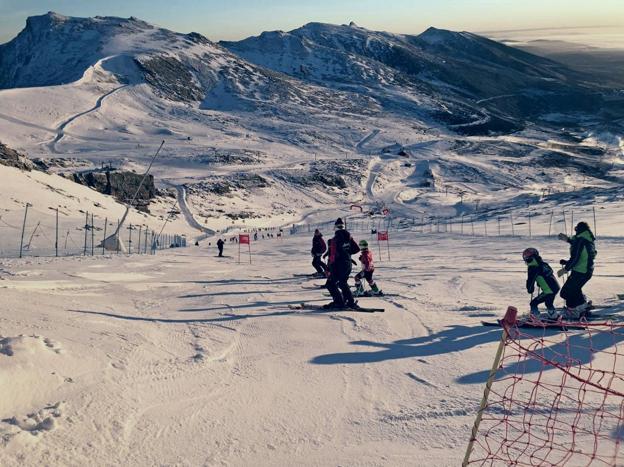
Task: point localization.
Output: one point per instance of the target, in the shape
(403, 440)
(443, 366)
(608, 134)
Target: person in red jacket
(368, 268)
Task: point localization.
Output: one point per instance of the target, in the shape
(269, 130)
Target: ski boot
(352, 306)
(359, 290)
(333, 306)
(576, 313)
(534, 314)
(376, 291)
(553, 314)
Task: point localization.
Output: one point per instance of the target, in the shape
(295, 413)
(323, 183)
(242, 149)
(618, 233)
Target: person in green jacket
(539, 272)
(581, 268)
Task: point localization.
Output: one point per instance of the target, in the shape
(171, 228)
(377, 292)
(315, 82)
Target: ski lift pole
(136, 194)
(105, 224)
(24, 228)
(57, 232)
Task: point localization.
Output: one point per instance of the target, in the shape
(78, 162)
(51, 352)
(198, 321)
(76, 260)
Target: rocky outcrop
(120, 184)
(12, 158)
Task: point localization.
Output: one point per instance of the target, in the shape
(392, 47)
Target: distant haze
(605, 37)
(236, 19)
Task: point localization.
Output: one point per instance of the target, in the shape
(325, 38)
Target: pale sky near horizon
(236, 19)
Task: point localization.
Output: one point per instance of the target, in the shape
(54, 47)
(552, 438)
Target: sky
(237, 19)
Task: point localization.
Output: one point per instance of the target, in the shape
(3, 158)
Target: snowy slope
(187, 359)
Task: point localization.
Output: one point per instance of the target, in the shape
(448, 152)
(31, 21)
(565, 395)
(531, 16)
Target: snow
(184, 358)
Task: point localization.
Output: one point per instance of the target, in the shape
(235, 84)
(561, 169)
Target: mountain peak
(434, 35)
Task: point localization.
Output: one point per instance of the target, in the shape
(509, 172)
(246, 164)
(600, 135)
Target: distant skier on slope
(220, 244)
(581, 266)
(318, 249)
(541, 273)
(368, 268)
(341, 247)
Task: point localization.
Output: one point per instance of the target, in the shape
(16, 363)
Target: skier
(341, 247)
(366, 260)
(318, 248)
(220, 244)
(581, 266)
(541, 273)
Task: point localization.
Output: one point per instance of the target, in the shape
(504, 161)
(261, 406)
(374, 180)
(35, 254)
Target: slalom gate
(554, 397)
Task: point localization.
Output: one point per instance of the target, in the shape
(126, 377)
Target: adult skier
(318, 249)
(341, 247)
(368, 268)
(220, 244)
(581, 267)
(540, 273)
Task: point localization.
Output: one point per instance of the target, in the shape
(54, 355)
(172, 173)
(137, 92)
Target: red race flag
(243, 239)
(382, 236)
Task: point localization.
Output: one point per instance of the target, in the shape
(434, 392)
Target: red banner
(381, 236)
(243, 239)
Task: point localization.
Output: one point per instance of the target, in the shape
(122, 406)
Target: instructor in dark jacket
(581, 267)
(341, 247)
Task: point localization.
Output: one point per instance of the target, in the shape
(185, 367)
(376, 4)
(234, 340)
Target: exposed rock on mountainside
(120, 184)
(12, 158)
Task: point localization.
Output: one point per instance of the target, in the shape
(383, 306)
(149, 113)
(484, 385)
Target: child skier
(318, 248)
(366, 260)
(541, 273)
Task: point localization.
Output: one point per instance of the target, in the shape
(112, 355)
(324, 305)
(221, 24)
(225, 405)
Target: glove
(561, 272)
(563, 237)
(563, 262)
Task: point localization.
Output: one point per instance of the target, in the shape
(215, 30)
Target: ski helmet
(363, 244)
(581, 227)
(529, 254)
(317, 232)
(339, 224)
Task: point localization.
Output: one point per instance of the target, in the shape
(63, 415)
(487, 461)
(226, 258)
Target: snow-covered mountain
(449, 73)
(55, 49)
(252, 126)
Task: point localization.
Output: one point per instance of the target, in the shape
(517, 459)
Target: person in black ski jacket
(341, 247)
(318, 249)
(539, 272)
(220, 244)
(581, 267)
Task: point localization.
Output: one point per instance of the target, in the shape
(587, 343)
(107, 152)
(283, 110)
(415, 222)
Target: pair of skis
(562, 324)
(360, 309)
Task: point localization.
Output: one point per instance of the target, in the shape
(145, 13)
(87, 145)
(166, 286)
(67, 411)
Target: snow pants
(572, 290)
(547, 298)
(319, 265)
(338, 287)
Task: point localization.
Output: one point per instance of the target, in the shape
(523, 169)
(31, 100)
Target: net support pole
(508, 320)
(86, 235)
(92, 235)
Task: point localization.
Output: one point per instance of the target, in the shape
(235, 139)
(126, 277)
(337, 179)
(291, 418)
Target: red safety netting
(557, 399)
